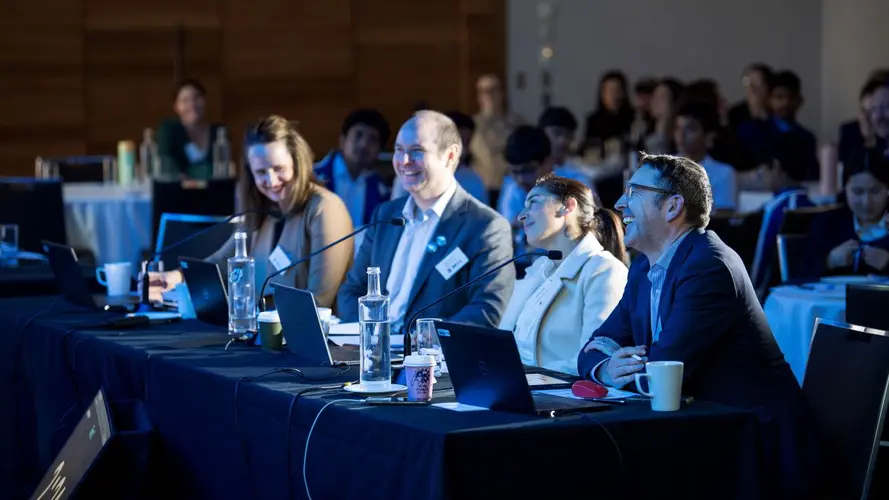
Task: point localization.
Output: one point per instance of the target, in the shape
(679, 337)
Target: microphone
(176, 244)
(397, 221)
(551, 254)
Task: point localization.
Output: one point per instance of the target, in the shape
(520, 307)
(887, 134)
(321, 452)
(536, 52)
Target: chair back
(799, 220)
(176, 227)
(73, 169)
(37, 206)
(846, 385)
(739, 231)
(210, 197)
(792, 257)
(866, 305)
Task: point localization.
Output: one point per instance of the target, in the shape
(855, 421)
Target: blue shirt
(656, 275)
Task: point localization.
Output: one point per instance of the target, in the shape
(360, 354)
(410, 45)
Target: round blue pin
(431, 248)
(441, 241)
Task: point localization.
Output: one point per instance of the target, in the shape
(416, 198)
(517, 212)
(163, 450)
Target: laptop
(302, 329)
(68, 276)
(486, 370)
(207, 290)
(80, 453)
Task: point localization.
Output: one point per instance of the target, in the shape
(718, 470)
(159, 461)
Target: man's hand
(875, 257)
(621, 368)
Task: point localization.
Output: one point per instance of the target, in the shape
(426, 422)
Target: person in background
(529, 156)
(878, 119)
(855, 240)
(696, 124)
(465, 175)
(493, 124)
(782, 174)
(725, 147)
(610, 123)
(664, 102)
(280, 178)
(444, 224)
(560, 126)
(688, 299)
(558, 303)
(757, 82)
(350, 170)
(853, 133)
(785, 101)
(185, 143)
(643, 124)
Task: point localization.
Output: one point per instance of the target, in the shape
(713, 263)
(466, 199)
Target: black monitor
(37, 206)
(197, 197)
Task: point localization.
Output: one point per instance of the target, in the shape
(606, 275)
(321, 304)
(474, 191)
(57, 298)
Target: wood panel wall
(76, 76)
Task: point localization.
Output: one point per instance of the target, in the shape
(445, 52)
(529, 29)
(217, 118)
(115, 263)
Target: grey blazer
(480, 232)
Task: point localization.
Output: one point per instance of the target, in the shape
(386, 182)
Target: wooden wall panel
(80, 75)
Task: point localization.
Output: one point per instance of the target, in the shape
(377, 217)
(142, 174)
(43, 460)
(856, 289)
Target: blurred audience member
(878, 118)
(185, 143)
(696, 124)
(493, 123)
(528, 153)
(643, 124)
(560, 126)
(664, 103)
(757, 82)
(855, 240)
(725, 147)
(853, 133)
(608, 127)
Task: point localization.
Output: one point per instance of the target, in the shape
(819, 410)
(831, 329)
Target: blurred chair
(799, 221)
(868, 305)
(210, 197)
(792, 257)
(739, 231)
(37, 206)
(71, 169)
(176, 227)
(846, 385)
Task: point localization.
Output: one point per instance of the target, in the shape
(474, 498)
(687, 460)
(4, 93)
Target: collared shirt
(411, 249)
(352, 191)
(656, 275)
(874, 232)
(723, 182)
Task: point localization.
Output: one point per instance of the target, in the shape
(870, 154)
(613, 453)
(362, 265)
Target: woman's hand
(875, 257)
(158, 283)
(842, 254)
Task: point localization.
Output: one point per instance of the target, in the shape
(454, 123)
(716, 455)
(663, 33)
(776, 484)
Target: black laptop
(486, 370)
(68, 276)
(302, 330)
(207, 290)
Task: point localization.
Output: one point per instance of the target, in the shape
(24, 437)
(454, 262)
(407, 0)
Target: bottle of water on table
(373, 325)
(241, 290)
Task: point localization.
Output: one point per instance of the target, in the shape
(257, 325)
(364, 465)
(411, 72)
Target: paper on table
(342, 340)
(343, 329)
(348, 334)
(541, 379)
(566, 393)
(458, 407)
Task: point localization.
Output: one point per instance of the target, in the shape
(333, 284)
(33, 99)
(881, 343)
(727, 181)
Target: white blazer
(554, 310)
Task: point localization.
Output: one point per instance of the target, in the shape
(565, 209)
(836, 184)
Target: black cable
(620, 456)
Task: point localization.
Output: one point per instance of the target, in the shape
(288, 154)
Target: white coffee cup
(115, 276)
(419, 376)
(324, 315)
(664, 384)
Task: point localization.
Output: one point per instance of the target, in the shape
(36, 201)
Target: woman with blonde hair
(279, 178)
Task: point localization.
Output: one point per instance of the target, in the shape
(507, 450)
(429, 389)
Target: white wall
(683, 38)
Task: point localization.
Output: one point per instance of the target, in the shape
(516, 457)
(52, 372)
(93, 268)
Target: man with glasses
(688, 298)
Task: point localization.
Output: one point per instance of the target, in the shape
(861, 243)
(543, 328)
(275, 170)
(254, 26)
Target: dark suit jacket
(713, 323)
(480, 232)
(830, 230)
(757, 138)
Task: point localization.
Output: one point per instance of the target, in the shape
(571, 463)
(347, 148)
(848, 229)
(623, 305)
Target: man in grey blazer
(450, 237)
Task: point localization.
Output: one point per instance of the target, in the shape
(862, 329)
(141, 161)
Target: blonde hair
(276, 128)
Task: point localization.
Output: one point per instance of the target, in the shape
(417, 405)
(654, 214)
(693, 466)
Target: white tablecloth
(112, 221)
(791, 312)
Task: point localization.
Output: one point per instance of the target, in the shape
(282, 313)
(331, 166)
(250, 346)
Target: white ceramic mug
(664, 384)
(115, 276)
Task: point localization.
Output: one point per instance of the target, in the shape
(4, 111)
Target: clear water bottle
(149, 160)
(241, 290)
(373, 323)
(222, 155)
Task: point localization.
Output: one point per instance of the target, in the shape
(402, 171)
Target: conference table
(234, 424)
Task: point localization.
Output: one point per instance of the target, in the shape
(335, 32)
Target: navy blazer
(713, 323)
(483, 235)
(830, 230)
(376, 189)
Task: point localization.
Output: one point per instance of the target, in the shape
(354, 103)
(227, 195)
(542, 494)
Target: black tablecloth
(225, 435)
(29, 278)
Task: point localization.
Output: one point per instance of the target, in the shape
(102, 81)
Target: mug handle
(100, 271)
(639, 376)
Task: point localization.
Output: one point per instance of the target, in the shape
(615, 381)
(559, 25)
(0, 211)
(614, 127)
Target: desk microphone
(397, 221)
(176, 244)
(551, 254)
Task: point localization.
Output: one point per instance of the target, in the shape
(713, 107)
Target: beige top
(487, 146)
(324, 220)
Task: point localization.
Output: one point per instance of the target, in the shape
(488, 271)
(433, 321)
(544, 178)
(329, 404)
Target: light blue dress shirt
(656, 275)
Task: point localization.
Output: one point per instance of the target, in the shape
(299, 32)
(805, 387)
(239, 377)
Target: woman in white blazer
(558, 304)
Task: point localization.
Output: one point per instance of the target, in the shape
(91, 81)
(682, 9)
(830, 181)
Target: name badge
(279, 258)
(193, 152)
(452, 263)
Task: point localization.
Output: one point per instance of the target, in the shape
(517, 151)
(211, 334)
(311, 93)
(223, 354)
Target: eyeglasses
(632, 188)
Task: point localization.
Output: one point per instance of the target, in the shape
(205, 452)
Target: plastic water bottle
(373, 325)
(241, 289)
(149, 160)
(222, 155)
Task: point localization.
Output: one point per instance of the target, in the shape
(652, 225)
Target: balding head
(427, 152)
(443, 131)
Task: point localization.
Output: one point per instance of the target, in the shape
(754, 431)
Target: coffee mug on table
(664, 384)
(324, 315)
(115, 276)
(270, 337)
(419, 377)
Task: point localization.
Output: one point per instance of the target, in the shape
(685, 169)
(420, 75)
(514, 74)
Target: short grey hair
(687, 179)
(447, 134)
